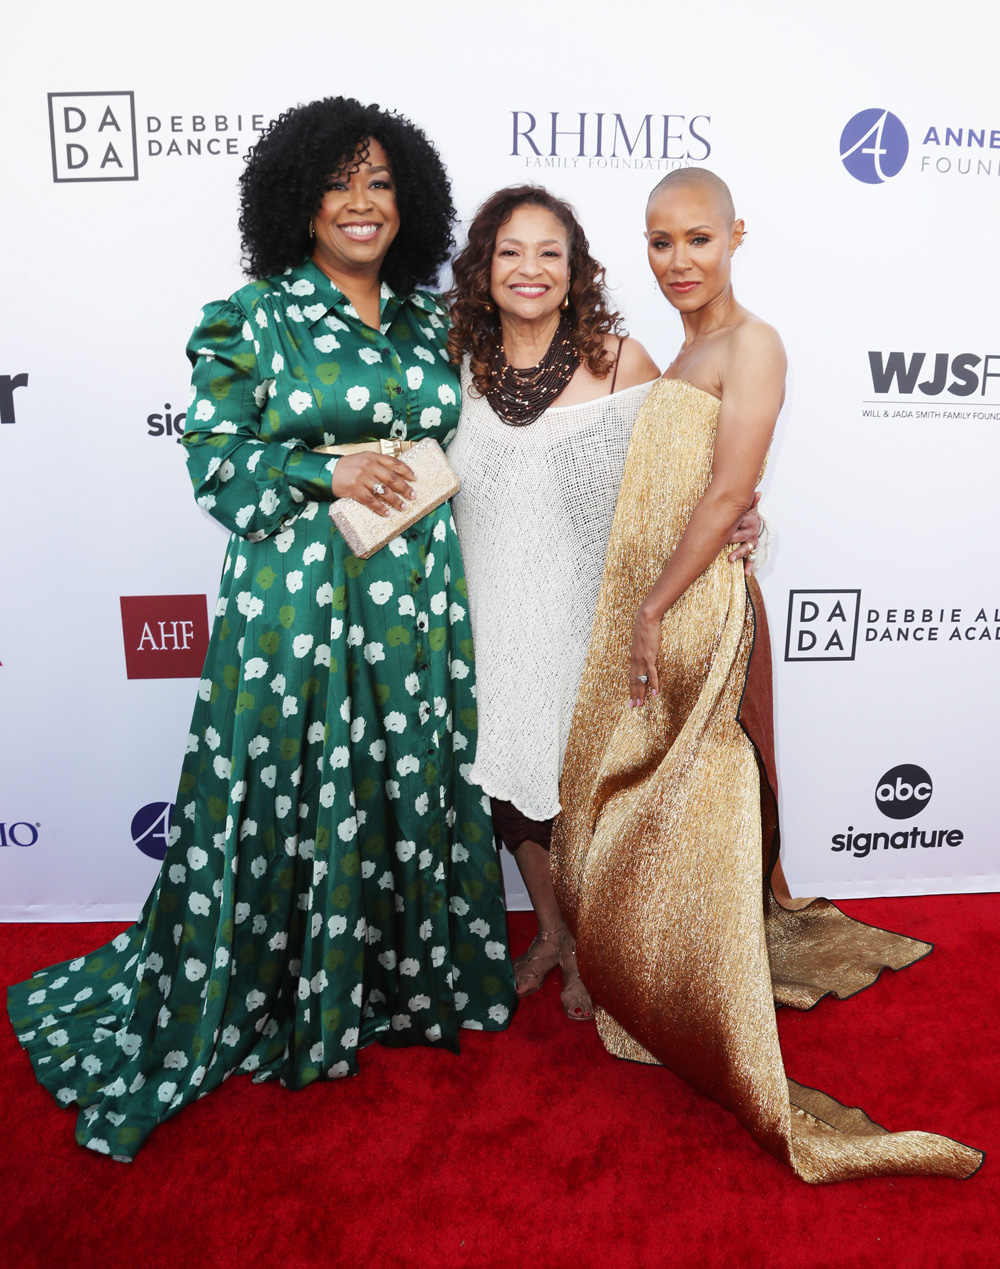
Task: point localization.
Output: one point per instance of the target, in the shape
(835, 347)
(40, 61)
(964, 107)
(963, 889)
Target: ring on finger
(378, 488)
(643, 678)
(752, 553)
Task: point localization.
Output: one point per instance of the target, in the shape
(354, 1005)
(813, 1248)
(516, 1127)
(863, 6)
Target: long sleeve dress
(331, 876)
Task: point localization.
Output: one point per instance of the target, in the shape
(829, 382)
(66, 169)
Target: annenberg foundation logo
(874, 146)
(166, 636)
(151, 828)
(901, 794)
(93, 136)
(903, 791)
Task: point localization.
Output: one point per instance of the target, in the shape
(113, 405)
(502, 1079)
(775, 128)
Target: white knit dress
(534, 516)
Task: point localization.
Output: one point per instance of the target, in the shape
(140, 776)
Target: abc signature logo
(151, 828)
(903, 791)
(874, 146)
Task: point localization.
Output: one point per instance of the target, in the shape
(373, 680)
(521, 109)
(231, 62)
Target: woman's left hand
(645, 650)
(745, 537)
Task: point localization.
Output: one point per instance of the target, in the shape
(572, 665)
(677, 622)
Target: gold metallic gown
(663, 850)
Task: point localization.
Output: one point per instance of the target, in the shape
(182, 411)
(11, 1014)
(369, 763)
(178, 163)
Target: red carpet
(534, 1148)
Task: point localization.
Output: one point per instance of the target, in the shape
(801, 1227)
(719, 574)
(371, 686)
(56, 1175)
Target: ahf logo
(822, 625)
(93, 136)
(874, 146)
(166, 636)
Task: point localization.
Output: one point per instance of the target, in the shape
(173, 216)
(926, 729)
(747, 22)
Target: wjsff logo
(965, 374)
(903, 792)
(165, 636)
(151, 828)
(93, 136)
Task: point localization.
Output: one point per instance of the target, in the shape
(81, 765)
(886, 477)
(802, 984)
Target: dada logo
(874, 146)
(93, 136)
(166, 636)
(151, 828)
(822, 625)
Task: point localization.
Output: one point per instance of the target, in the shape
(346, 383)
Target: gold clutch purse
(434, 482)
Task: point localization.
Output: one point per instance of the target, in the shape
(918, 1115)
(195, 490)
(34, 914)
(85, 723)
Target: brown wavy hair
(475, 327)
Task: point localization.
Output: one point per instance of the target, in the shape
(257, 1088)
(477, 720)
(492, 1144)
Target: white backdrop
(882, 488)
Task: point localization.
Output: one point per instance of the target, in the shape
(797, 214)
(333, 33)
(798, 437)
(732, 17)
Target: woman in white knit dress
(550, 390)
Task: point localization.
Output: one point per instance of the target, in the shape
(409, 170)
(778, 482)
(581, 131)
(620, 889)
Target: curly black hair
(286, 177)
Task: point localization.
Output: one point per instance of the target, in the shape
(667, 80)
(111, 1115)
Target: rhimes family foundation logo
(903, 791)
(822, 625)
(166, 636)
(609, 140)
(151, 828)
(874, 146)
(93, 136)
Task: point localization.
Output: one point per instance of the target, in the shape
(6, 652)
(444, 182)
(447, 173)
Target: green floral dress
(331, 876)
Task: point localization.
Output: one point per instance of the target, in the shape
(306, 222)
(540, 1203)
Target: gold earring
(565, 304)
(487, 306)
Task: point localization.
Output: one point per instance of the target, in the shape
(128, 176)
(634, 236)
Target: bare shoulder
(752, 337)
(635, 365)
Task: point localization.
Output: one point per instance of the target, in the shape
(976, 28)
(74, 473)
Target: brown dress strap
(618, 357)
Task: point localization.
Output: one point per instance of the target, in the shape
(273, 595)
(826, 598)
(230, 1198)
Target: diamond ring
(378, 488)
(643, 678)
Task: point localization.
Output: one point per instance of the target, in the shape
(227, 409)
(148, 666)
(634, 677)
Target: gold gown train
(661, 856)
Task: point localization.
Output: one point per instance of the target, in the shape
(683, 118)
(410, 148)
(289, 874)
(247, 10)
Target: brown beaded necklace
(521, 396)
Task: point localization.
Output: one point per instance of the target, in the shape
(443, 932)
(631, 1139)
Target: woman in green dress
(331, 877)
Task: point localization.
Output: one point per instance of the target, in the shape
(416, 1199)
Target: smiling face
(529, 276)
(690, 241)
(358, 218)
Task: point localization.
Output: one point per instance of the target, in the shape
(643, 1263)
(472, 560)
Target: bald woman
(668, 837)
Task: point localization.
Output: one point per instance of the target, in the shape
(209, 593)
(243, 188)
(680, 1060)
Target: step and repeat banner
(864, 155)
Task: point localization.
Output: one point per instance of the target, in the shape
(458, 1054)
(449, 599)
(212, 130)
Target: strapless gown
(662, 854)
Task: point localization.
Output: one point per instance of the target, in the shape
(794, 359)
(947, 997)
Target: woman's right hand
(356, 475)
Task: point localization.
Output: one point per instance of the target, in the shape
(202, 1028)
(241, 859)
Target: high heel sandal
(576, 1002)
(525, 967)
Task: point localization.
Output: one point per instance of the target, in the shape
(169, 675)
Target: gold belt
(392, 446)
